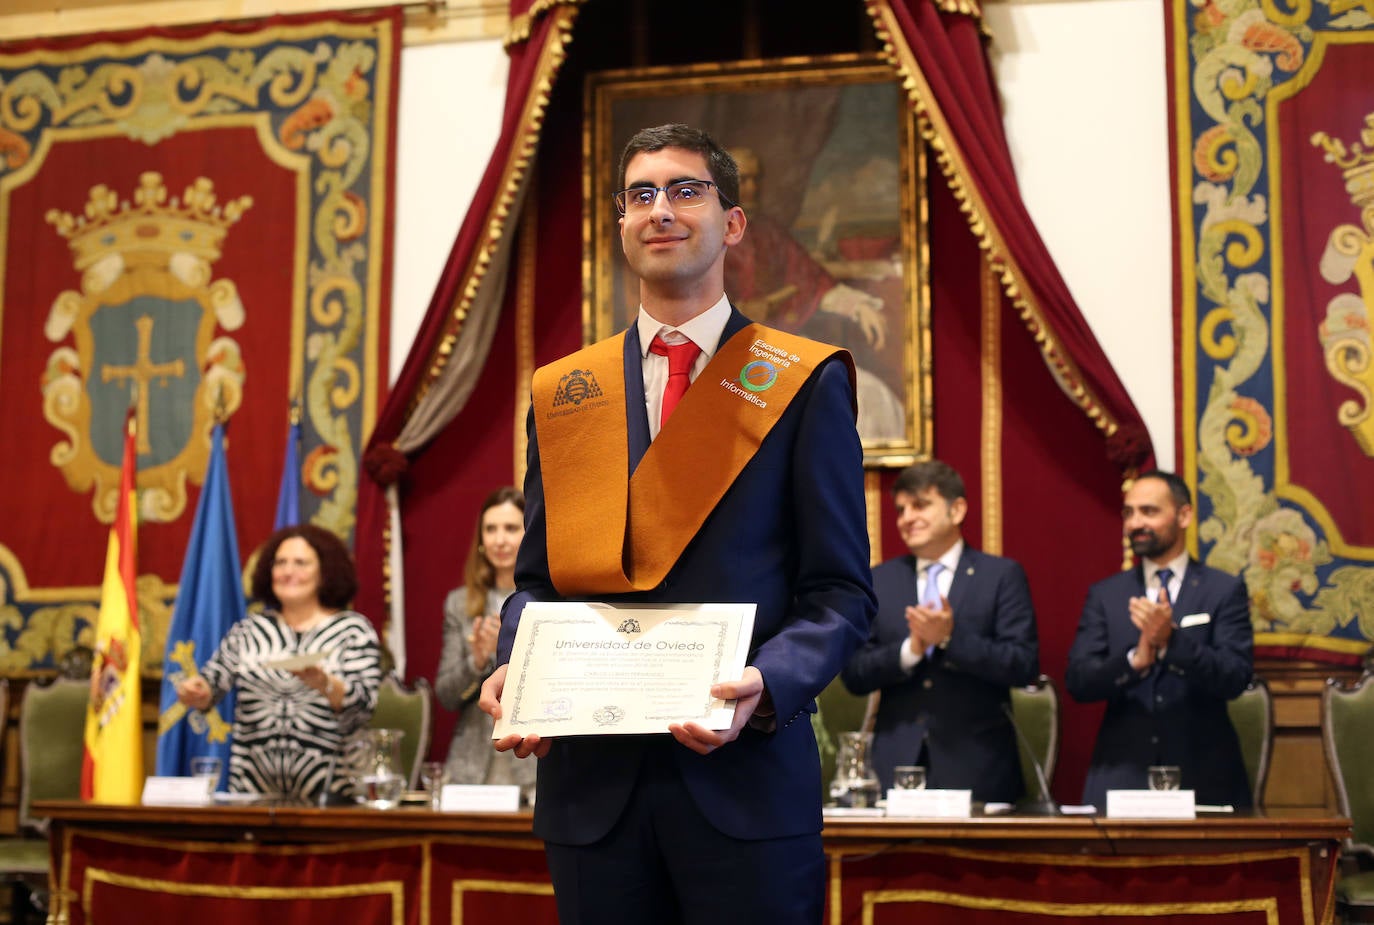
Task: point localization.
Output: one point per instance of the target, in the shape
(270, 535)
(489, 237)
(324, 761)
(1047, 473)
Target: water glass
(1164, 777)
(206, 768)
(908, 777)
(383, 791)
(863, 793)
(432, 776)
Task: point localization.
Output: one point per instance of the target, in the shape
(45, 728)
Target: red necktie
(680, 359)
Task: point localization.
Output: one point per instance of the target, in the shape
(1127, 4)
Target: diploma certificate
(592, 669)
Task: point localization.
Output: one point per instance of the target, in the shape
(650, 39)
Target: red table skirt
(112, 879)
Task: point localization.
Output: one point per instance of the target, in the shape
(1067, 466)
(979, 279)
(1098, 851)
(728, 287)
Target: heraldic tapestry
(197, 223)
(1273, 132)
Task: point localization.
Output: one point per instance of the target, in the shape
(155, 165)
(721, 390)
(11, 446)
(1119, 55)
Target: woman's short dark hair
(338, 577)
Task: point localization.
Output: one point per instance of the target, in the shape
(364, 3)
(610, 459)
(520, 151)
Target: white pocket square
(1195, 619)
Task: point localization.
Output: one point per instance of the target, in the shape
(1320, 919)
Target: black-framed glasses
(684, 194)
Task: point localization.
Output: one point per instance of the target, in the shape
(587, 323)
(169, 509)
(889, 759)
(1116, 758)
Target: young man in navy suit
(1166, 645)
(752, 491)
(955, 632)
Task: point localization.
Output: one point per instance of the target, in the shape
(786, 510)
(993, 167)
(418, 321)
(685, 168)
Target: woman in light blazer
(472, 621)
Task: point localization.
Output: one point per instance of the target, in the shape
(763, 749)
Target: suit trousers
(663, 863)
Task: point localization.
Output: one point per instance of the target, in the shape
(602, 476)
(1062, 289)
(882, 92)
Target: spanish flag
(112, 766)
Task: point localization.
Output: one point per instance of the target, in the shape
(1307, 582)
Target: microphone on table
(1044, 804)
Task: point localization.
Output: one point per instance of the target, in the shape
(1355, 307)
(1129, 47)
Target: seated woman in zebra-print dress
(288, 725)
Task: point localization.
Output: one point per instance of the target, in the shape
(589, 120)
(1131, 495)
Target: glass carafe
(377, 772)
(855, 784)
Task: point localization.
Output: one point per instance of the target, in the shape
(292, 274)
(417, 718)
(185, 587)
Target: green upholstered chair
(52, 729)
(837, 711)
(1036, 708)
(410, 711)
(1347, 720)
(1252, 713)
(52, 724)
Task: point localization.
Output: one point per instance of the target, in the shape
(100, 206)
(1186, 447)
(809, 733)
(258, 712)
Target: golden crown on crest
(1357, 162)
(151, 228)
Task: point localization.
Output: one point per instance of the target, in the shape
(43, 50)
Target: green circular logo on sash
(758, 376)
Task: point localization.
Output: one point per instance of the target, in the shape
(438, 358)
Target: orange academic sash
(610, 533)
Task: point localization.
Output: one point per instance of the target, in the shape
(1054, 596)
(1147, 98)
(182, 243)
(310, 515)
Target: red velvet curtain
(383, 463)
(947, 47)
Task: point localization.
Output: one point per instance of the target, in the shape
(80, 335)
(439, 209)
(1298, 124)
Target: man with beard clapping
(1166, 645)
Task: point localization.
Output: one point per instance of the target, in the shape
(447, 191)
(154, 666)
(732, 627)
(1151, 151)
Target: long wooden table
(408, 866)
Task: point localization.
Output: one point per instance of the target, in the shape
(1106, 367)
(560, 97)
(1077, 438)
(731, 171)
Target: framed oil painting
(832, 180)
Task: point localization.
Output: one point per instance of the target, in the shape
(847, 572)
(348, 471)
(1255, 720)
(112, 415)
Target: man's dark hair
(724, 171)
(338, 577)
(1177, 487)
(931, 473)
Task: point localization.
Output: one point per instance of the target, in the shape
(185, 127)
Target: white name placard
(480, 798)
(930, 804)
(175, 791)
(1151, 804)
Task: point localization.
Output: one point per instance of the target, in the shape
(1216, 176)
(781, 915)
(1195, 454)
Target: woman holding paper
(472, 621)
(306, 669)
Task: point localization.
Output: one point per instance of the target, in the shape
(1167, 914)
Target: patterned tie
(680, 359)
(1166, 575)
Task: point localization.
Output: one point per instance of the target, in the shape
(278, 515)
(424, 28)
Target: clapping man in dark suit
(955, 632)
(1166, 644)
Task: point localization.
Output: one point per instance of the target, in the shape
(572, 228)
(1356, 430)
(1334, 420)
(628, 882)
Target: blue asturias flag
(209, 601)
(289, 495)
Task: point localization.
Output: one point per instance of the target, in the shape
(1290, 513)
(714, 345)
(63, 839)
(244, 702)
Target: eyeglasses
(684, 194)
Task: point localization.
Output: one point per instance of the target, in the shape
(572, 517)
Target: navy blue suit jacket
(954, 702)
(1176, 714)
(789, 535)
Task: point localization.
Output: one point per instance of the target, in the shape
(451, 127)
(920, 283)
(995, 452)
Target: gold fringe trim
(386, 559)
(991, 362)
(873, 510)
(527, 272)
(522, 26)
(518, 163)
(971, 8)
(935, 131)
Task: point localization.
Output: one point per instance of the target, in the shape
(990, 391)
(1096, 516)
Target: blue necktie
(930, 594)
(1166, 575)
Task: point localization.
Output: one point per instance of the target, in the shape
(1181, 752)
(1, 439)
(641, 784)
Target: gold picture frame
(844, 261)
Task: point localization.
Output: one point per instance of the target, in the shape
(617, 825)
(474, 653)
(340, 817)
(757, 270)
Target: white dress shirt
(1150, 573)
(704, 330)
(1178, 564)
